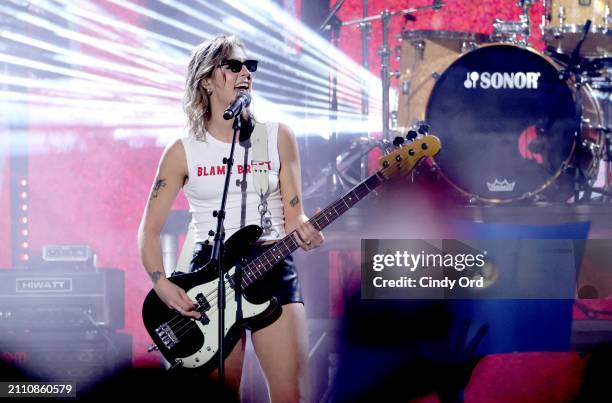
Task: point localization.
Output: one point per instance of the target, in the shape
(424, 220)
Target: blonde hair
(204, 59)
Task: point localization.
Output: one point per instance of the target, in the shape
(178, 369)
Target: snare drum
(565, 21)
(508, 125)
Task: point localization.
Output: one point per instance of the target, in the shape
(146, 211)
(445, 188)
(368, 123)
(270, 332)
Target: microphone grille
(247, 97)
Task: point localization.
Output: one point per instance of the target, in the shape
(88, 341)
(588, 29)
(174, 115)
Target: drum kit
(516, 124)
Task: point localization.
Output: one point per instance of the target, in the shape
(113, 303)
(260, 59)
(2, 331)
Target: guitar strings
(192, 323)
(171, 323)
(213, 292)
(179, 316)
(182, 321)
(211, 295)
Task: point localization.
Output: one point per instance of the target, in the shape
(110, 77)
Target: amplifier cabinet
(32, 299)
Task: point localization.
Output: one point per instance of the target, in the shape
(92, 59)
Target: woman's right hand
(176, 298)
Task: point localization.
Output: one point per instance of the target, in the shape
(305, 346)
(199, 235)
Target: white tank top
(206, 179)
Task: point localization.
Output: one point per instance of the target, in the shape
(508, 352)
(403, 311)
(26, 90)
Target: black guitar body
(194, 343)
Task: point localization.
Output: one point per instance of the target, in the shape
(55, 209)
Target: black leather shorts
(281, 281)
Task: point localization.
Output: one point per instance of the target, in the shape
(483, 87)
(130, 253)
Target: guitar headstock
(407, 156)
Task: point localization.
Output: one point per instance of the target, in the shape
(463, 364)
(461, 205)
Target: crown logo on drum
(503, 186)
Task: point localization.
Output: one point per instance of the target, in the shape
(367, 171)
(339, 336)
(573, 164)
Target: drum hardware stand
(359, 149)
(606, 190)
(334, 24)
(607, 157)
(385, 53)
(365, 29)
(342, 163)
(333, 173)
(576, 69)
(510, 31)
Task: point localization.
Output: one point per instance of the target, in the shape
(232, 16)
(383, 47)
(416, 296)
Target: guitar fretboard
(256, 268)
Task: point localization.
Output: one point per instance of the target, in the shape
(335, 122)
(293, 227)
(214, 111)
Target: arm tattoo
(156, 275)
(294, 202)
(160, 183)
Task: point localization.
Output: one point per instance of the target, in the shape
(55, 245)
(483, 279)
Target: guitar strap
(260, 168)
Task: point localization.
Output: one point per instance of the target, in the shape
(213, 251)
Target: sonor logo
(487, 80)
(501, 186)
(48, 284)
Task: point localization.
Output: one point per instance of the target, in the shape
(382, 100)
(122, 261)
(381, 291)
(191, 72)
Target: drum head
(506, 122)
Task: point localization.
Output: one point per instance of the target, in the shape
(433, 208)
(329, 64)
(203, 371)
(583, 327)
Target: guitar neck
(283, 248)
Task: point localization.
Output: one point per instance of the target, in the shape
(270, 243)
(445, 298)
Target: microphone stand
(217, 251)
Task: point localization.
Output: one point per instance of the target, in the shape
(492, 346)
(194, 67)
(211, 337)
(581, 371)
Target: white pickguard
(211, 330)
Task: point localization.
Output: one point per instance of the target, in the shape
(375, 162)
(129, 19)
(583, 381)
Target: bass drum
(508, 127)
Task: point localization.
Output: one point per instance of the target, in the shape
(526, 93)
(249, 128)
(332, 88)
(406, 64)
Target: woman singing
(217, 71)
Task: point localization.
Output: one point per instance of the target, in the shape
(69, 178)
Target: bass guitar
(192, 343)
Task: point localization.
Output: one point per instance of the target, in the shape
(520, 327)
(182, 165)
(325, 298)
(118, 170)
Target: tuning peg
(398, 141)
(424, 128)
(411, 135)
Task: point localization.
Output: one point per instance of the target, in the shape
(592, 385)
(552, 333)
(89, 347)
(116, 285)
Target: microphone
(243, 100)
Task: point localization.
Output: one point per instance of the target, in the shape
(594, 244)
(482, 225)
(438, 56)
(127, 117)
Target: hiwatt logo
(47, 284)
(487, 80)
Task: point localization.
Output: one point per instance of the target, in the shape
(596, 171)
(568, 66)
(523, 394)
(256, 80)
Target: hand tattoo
(294, 202)
(156, 275)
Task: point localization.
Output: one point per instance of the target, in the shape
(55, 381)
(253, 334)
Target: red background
(457, 15)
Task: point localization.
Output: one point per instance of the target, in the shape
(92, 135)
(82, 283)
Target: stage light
(74, 64)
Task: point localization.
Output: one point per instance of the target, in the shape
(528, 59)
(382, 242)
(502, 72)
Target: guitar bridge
(167, 336)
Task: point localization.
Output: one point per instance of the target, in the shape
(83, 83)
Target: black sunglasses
(236, 65)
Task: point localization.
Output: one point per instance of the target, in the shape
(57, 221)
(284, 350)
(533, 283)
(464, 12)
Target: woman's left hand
(307, 236)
